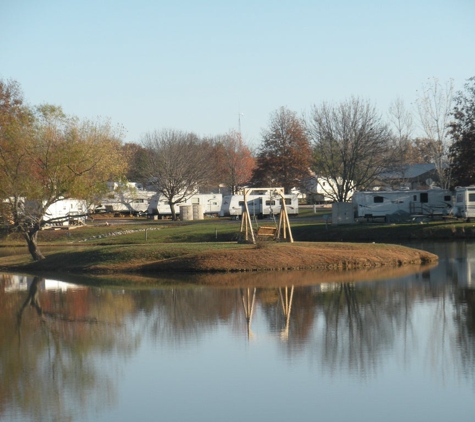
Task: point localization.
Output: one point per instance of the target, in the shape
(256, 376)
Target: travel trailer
(125, 199)
(464, 206)
(74, 209)
(430, 203)
(261, 202)
(210, 204)
(64, 212)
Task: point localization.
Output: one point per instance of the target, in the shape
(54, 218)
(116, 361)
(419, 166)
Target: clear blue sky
(195, 65)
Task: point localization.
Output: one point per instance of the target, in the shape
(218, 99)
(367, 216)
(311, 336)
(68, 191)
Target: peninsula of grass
(142, 246)
(217, 257)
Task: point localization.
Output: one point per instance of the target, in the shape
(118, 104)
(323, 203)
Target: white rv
(464, 202)
(63, 212)
(125, 199)
(430, 203)
(74, 209)
(261, 202)
(209, 202)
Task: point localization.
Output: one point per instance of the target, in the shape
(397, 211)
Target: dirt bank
(283, 256)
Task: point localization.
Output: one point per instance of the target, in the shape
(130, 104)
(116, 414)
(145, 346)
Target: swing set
(282, 231)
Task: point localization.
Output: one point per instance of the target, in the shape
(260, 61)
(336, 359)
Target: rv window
(447, 198)
(378, 199)
(459, 197)
(270, 202)
(424, 197)
(288, 201)
(241, 203)
(471, 197)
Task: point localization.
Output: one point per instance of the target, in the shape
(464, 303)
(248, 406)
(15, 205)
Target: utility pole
(239, 123)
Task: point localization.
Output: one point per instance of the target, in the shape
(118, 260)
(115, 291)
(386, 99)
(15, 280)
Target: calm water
(399, 348)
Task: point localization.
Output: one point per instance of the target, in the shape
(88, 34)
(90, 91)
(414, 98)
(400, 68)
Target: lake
(394, 346)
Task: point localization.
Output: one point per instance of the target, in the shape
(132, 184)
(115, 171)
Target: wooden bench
(266, 231)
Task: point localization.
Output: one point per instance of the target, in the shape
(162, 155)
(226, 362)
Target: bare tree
(405, 151)
(402, 125)
(351, 146)
(177, 164)
(435, 106)
(462, 133)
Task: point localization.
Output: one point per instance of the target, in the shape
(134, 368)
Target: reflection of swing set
(280, 232)
(248, 306)
(248, 297)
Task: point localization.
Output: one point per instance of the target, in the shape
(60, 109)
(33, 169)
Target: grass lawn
(138, 244)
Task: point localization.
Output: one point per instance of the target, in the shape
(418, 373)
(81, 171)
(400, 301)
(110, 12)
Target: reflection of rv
(431, 203)
(15, 283)
(261, 202)
(464, 202)
(209, 204)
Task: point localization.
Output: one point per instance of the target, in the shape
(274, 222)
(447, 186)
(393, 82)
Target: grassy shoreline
(149, 247)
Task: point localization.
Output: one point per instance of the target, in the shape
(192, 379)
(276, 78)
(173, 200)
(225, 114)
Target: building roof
(409, 171)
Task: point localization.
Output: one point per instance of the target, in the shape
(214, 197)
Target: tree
(177, 164)
(434, 106)
(137, 156)
(45, 157)
(234, 161)
(285, 156)
(402, 126)
(351, 146)
(462, 133)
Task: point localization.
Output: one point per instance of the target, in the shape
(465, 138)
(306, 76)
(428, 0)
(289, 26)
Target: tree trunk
(32, 299)
(172, 209)
(32, 241)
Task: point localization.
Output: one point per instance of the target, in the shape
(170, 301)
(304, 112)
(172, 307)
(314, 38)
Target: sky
(214, 66)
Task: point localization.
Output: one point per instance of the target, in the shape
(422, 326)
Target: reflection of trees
(359, 324)
(178, 315)
(51, 345)
(345, 327)
(465, 321)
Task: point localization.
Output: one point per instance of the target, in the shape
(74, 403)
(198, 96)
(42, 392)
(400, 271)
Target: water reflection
(83, 344)
(54, 342)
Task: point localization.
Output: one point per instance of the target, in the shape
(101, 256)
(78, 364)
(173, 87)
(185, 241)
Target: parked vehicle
(210, 203)
(261, 202)
(429, 203)
(125, 199)
(464, 206)
(64, 212)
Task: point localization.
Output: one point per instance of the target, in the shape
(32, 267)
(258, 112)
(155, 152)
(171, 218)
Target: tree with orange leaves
(45, 157)
(285, 156)
(235, 162)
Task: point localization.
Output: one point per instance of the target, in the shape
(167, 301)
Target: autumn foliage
(285, 156)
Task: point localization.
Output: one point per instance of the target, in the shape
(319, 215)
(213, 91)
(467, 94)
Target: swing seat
(266, 231)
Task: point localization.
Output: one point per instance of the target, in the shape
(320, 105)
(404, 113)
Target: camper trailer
(464, 206)
(74, 209)
(403, 203)
(64, 212)
(209, 203)
(128, 198)
(261, 202)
